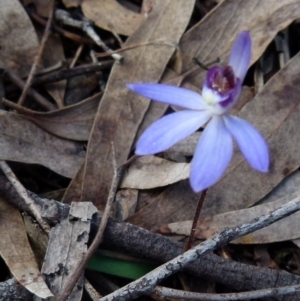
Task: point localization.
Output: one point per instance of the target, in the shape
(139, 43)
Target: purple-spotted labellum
(221, 90)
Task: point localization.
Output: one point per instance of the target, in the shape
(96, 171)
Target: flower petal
(170, 95)
(170, 129)
(241, 55)
(250, 141)
(212, 155)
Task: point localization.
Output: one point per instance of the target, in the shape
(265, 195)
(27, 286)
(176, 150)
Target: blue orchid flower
(220, 92)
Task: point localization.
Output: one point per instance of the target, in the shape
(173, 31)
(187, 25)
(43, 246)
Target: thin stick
(264, 293)
(69, 285)
(77, 55)
(147, 283)
(35, 95)
(24, 195)
(63, 32)
(86, 26)
(191, 239)
(69, 73)
(55, 76)
(94, 295)
(130, 160)
(38, 56)
(164, 43)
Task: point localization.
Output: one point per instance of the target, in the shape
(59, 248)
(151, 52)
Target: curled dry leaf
(150, 172)
(120, 111)
(23, 141)
(73, 122)
(67, 246)
(112, 16)
(16, 251)
(18, 40)
(285, 229)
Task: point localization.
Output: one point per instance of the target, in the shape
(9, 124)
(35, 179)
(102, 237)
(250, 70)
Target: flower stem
(190, 241)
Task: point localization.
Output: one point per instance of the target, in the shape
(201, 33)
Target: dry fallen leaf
(73, 192)
(18, 40)
(285, 229)
(184, 148)
(72, 3)
(52, 55)
(287, 187)
(23, 141)
(112, 16)
(42, 7)
(80, 87)
(121, 111)
(150, 172)
(37, 237)
(66, 248)
(17, 253)
(147, 6)
(126, 202)
(167, 207)
(73, 122)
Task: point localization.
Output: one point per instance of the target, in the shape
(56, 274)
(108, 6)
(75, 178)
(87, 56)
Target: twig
(164, 43)
(99, 75)
(103, 281)
(38, 56)
(58, 66)
(21, 84)
(269, 292)
(65, 33)
(68, 73)
(61, 74)
(67, 289)
(191, 238)
(94, 295)
(77, 55)
(86, 26)
(146, 284)
(24, 195)
(116, 35)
